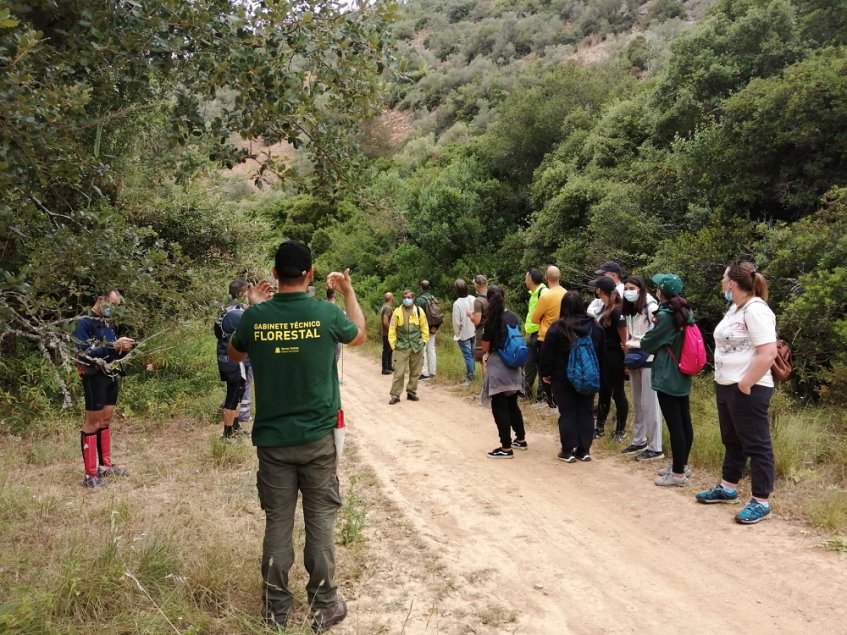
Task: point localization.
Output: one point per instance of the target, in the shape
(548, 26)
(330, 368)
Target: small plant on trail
(353, 517)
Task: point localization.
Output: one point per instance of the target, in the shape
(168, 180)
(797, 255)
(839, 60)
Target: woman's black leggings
(677, 413)
(612, 386)
(508, 417)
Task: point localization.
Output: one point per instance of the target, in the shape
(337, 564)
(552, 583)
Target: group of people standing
(291, 339)
(636, 336)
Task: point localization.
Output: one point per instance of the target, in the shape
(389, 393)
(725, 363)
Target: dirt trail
(534, 545)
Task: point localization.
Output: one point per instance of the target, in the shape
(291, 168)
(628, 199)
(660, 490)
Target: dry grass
(172, 549)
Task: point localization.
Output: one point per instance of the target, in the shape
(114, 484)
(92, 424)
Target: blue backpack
(583, 366)
(514, 351)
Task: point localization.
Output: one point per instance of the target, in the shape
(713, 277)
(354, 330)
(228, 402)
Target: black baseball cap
(604, 284)
(609, 266)
(293, 259)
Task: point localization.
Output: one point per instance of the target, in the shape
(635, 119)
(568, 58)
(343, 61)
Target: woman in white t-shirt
(745, 348)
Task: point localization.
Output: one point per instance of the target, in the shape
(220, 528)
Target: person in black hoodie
(576, 420)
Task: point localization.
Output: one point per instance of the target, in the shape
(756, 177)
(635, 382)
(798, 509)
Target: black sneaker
(423, 378)
(650, 455)
(500, 453)
(393, 401)
(598, 433)
(388, 372)
(325, 618)
(566, 457)
(618, 437)
(519, 444)
(582, 455)
(634, 449)
(412, 397)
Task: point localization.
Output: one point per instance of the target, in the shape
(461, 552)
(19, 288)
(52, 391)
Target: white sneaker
(667, 470)
(672, 480)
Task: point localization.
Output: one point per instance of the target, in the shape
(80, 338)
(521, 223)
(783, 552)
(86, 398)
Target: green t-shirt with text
(291, 342)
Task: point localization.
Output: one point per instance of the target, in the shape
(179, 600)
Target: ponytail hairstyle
(494, 313)
(744, 274)
(681, 309)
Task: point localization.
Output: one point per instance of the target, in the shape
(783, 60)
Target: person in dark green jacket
(671, 386)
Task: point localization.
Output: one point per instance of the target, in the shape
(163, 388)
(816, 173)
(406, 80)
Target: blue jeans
(466, 346)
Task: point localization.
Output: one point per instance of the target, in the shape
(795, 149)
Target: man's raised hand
(340, 281)
(259, 292)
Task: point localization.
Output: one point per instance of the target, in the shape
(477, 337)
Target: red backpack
(692, 357)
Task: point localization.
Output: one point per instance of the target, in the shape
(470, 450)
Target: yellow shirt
(547, 309)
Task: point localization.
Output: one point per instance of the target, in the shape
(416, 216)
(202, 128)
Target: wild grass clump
(352, 518)
(228, 453)
(838, 543)
(828, 510)
(60, 447)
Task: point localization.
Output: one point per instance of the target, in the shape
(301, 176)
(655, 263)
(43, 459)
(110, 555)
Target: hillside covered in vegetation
(669, 136)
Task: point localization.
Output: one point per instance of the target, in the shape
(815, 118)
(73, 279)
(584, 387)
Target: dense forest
(666, 135)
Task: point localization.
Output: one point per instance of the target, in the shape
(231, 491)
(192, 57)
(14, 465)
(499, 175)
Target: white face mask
(630, 294)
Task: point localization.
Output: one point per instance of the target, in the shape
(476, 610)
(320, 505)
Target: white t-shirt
(736, 338)
(596, 307)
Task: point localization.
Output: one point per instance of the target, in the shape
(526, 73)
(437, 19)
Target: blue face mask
(727, 295)
(106, 310)
(630, 295)
(407, 301)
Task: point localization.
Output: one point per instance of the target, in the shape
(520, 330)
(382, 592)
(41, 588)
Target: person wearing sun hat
(672, 387)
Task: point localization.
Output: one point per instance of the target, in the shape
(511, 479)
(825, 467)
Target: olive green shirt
(291, 340)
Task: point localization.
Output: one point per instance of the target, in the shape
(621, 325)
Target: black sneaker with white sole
(519, 444)
(582, 455)
(500, 453)
(566, 457)
(650, 455)
(634, 448)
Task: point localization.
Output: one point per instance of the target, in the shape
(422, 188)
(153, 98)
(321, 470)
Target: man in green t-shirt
(291, 341)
